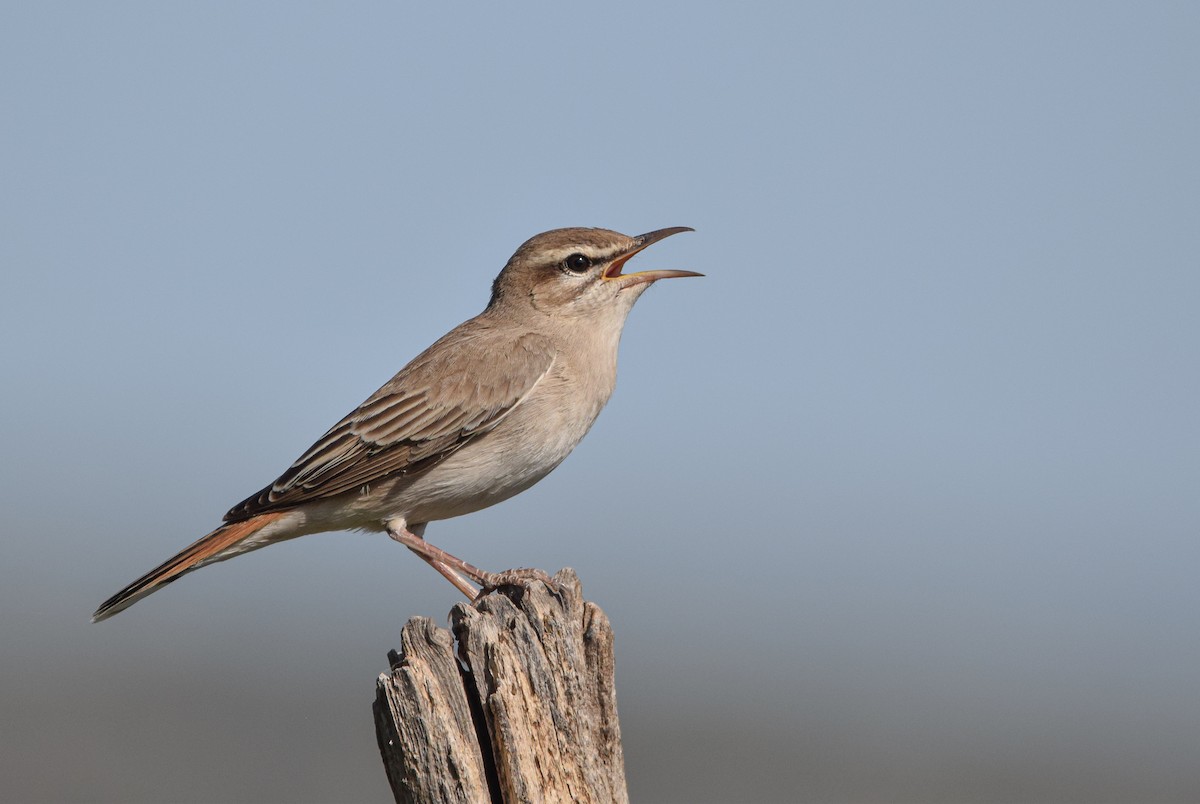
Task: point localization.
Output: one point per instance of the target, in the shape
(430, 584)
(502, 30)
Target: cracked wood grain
(527, 712)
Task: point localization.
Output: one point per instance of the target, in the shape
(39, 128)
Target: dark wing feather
(438, 402)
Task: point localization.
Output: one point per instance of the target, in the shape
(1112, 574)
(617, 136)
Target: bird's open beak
(645, 277)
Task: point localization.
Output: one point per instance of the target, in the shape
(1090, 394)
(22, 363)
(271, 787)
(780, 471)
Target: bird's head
(578, 273)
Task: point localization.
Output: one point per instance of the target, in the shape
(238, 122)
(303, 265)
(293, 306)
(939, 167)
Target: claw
(516, 577)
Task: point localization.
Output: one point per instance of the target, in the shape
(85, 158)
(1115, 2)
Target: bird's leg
(454, 577)
(454, 568)
(414, 540)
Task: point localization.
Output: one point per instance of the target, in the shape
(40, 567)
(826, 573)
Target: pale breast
(523, 448)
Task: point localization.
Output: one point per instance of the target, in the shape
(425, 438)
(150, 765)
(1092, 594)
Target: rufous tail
(192, 558)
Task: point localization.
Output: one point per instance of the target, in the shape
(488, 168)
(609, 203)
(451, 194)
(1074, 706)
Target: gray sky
(899, 503)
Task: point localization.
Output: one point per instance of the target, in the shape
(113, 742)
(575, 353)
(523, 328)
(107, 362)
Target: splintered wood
(527, 712)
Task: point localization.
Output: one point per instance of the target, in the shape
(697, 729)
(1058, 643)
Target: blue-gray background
(900, 503)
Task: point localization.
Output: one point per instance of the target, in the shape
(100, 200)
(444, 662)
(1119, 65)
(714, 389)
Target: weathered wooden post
(526, 712)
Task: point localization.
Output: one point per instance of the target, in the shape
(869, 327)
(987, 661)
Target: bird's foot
(491, 581)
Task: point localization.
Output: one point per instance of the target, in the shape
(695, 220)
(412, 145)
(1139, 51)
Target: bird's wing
(437, 403)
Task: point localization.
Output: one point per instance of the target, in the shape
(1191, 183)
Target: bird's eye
(577, 263)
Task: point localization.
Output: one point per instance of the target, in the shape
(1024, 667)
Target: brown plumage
(435, 405)
(193, 557)
(482, 414)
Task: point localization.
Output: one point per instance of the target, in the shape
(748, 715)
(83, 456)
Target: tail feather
(203, 551)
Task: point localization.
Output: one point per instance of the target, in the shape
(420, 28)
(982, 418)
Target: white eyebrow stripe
(594, 254)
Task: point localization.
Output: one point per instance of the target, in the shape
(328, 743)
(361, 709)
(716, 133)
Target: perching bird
(481, 415)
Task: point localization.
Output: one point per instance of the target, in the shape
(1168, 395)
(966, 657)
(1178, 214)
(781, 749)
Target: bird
(483, 414)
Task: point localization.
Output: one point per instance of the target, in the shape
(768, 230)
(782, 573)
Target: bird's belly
(453, 490)
(517, 454)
